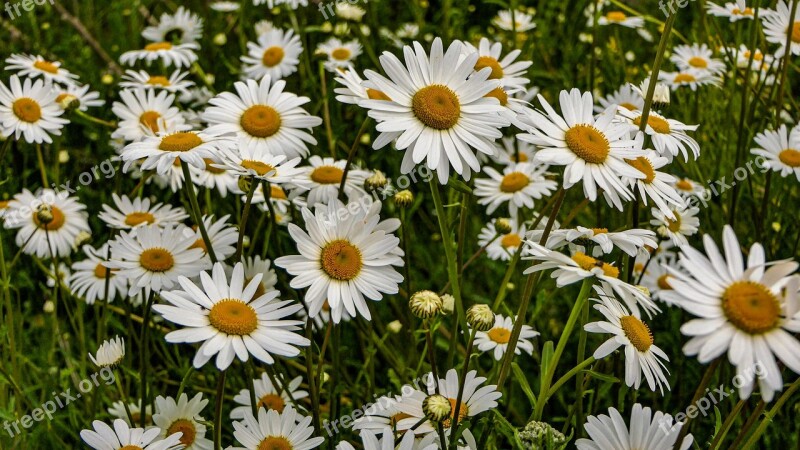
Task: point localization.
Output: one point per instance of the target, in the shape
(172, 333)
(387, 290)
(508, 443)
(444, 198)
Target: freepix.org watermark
(671, 6)
(59, 401)
(13, 8)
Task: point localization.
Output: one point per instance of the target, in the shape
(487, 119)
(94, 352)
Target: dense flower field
(385, 224)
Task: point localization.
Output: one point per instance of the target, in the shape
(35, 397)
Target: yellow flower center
(186, 427)
(514, 182)
(234, 317)
(27, 110)
(201, 244)
(588, 143)
(212, 169)
(643, 165)
(636, 332)
(158, 80)
(628, 106)
(131, 447)
(674, 225)
(499, 94)
(341, 54)
(790, 157)
(696, 61)
(492, 63)
(156, 259)
(739, 12)
(751, 307)
(156, 46)
(46, 66)
(374, 94)
(58, 220)
(597, 231)
(327, 175)
(180, 142)
(795, 30)
(137, 218)
(150, 120)
(341, 260)
(522, 157)
(272, 401)
(277, 192)
(463, 412)
(259, 167)
(272, 56)
(658, 124)
(261, 121)
(397, 418)
(663, 283)
(101, 271)
(616, 16)
(511, 240)
(275, 443)
(684, 78)
(684, 185)
(499, 335)
(437, 107)
(588, 263)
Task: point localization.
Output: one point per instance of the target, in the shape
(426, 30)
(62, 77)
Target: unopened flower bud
(425, 304)
(220, 39)
(245, 183)
(448, 304)
(107, 79)
(404, 198)
(83, 237)
(394, 326)
(436, 407)
(44, 214)
(68, 102)
(376, 181)
(503, 226)
(480, 317)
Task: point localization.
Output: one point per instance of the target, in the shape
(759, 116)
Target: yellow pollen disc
(156, 46)
(751, 307)
(272, 56)
(61, 97)
(643, 165)
(514, 182)
(610, 271)
(259, 167)
(638, 267)
(277, 192)
(186, 427)
(628, 106)
(212, 169)
(790, 157)
(684, 78)
(341, 260)
(658, 124)
(46, 66)
(616, 16)
(739, 12)
(137, 218)
(499, 94)
(511, 240)
(436, 107)
(492, 63)
(27, 109)
(275, 443)
(398, 417)
(584, 261)
(674, 225)
(261, 121)
(201, 244)
(327, 175)
(463, 412)
(588, 143)
(663, 283)
(375, 94)
(131, 447)
(158, 80)
(499, 335)
(684, 185)
(796, 32)
(233, 317)
(522, 157)
(341, 54)
(180, 142)
(156, 260)
(100, 271)
(57, 222)
(150, 120)
(272, 401)
(696, 61)
(597, 231)
(636, 332)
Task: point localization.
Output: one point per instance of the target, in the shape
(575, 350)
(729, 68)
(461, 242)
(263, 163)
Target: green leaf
(523, 382)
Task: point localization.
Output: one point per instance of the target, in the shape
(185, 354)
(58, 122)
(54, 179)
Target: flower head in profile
(110, 353)
(647, 430)
(123, 437)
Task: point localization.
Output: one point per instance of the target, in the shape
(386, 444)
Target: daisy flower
(518, 186)
(642, 357)
(123, 437)
(647, 431)
(687, 188)
(78, 93)
(151, 257)
(434, 114)
(342, 260)
(593, 150)
(692, 78)
(684, 223)
(349, 12)
(776, 27)
(223, 6)
(33, 66)
(510, 74)
(658, 186)
(371, 441)
(223, 238)
(229, 320)
(29, 109)
(354, 89)
(619, 18)
(513, 107)
(110, 353)
(137, 212)
(183, 27)
(179, 55)
(160, 152)
(244, 161)
(253, 266)
(625, 97)
(88, 279)
(275, 54)
(264, 116)
(747, 308)
(511, 151)
(324, 175)
(733, 11)
(144, 112)
(48, 222)
(502, 246)
(183, 416)
(780, 150)
(669, 135)
(696, 57)
(629, 241)
(274, 430)
(212, 177)
(514, 20)
(176, 82)
(760, 60)
(496, 339)
(268, 396)
(340, 54)
(282, 200)
(656, 277)
(384, 412)
(118, 410)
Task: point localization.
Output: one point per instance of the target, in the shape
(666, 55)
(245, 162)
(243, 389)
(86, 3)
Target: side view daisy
(734, 11)
(123, 437)
(160, 152)
(617, 17)
(496, 339)
(692, 78)
(28, 109)
(69, 94)
(632, 241)
(509, 73)
(340, 54)
(183, 416)
(175, 82)
(269, 396)
(684, 223)
(696, 56)
(776, 27)
(178, 55)
(34, 66)
(647, 430)
(669, 136)
(137, 212)
(182, 27)
(274, 430)
(517, 186)
(88, 279)
(323, 176)
(780, 150)
(624, 97)
(656, 185)
(276, 53)
(110, 353)
(514, 20)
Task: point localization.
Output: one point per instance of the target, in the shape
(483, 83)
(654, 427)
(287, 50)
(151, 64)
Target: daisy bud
(63, 156)
(437, 407)
(245, 183)
(394, 326)
(69, 102)
(107, 79)
(366, 139)
(448, 304)
(44, 214)
(503, 226)
(480, 317)
(49, 307)
(403, 198)
(220, 39)
(83, 237)
(541, 435)
(326, 27)
(425, 304)
(376, 181)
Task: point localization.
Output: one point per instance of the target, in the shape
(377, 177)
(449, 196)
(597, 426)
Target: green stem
(40, 158)
(197, 217)
(762, 427)
(144, 363)
(350, 157)
(243, 223)
(218, 411)
(575, 370)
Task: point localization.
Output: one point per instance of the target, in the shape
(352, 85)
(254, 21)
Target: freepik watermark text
(13, 8)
